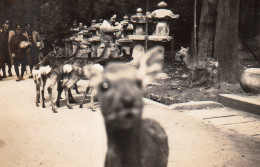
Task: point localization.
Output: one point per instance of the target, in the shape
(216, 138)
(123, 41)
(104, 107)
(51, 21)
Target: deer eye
(139, 83)
(104, 86)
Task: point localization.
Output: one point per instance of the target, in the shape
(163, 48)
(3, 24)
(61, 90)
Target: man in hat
(5, 35)
(18, 46)
(34, 52)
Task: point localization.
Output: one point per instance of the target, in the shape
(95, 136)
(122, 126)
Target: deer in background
(199, 75)
(87, 69)
(51, 67)
(132, 140)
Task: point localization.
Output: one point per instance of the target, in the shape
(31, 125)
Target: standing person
(34, 52)
(5, 58)
(108, 34)
(18, 47)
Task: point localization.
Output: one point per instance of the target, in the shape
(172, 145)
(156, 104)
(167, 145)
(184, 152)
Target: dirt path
(32, 136)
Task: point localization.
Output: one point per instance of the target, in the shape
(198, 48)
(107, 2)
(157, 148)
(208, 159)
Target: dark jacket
(34, 53)
(4, 35)
(15, 46)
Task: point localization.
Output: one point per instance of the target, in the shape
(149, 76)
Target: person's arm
(106, 27)
(39, 38)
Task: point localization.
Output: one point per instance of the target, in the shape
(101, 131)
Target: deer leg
(37, 83)
(50, 87)
(43, 79)
(85, 95)
(59, 89)
(210, 80)
(67, 98)
(92, 107)
(71, 99)
(192, 77)
(216, 80)
(76, 88)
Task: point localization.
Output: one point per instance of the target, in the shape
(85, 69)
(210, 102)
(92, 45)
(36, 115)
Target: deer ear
(151, 63)
(181, 47)
(188, 48)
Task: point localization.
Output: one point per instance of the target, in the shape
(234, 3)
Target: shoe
(4, 76)
(31, 76)
(21, 78)
(18, 79)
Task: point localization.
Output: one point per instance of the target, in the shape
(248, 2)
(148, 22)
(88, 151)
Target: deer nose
(128, 101)
(129, 115)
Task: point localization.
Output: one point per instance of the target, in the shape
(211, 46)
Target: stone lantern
(80, 26)
(94, 40)
(129, 29)
(139, 35)
(97, 26)
(162, 18)
(125, 42)
(85, 45)
(70, 43)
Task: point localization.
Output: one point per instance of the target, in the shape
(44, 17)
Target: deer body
(209, 73)
(143, 146)
(49, 68)
(80, 68)
(132, 140)
(86, 69)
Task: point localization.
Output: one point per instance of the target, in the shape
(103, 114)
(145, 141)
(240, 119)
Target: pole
(195, 29)
(146, 26)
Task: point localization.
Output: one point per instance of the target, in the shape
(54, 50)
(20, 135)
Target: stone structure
(84, 44)
(250, 80)
(139, 36)
(124, 41)
(95, 39)
(162, 18)
(70, 43)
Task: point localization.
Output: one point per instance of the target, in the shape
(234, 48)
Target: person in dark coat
(5, 35)
(18, 47)
(34, 52)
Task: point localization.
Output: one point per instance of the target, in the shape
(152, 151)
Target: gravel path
(31, 136)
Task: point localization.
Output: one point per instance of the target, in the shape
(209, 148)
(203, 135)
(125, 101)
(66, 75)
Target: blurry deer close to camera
(132, 140)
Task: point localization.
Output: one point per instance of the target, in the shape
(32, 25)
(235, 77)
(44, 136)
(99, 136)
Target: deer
(81, 68)
(51, 67)
(131, 139)
(208, 73)
(86, 69)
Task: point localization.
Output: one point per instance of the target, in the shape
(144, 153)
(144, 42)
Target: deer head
(120, 90)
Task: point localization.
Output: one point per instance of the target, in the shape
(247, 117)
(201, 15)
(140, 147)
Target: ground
(175, 90)
(33, 136)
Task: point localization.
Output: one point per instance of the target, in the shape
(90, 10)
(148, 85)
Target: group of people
(23, 46)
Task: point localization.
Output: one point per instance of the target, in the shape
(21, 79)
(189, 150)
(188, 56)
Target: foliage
(54, 17)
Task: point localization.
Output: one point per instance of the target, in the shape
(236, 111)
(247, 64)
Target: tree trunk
(246, 19)
(207, 29)
(226, 40)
